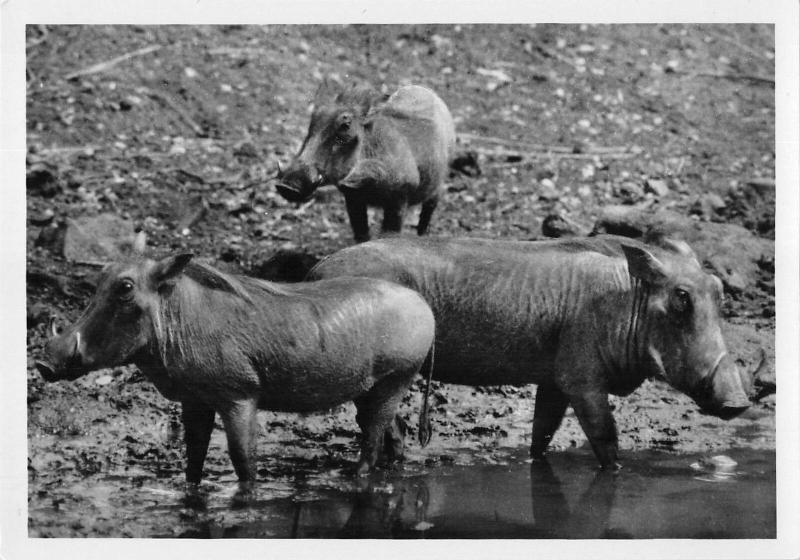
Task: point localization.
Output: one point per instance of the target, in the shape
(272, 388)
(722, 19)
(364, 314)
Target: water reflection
(656, 497)
(587, 519)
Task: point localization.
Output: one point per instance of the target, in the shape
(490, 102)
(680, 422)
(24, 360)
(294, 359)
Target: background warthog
(581, 318)
(380, 152)
(234, 344)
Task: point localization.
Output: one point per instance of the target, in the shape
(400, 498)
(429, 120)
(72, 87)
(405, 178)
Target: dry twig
(103, 66)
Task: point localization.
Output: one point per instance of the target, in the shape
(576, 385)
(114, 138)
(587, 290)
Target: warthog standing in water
(228, 344)
(581, 318)
(390, 153)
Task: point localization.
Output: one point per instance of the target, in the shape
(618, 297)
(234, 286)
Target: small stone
(734, 283)
(41, 218)
(555, 225)
(547, 190)
(103, 380)
(190, 72)
(677, 185)
(658, 187)
(714, 201)
(41, 179)
(630, 191)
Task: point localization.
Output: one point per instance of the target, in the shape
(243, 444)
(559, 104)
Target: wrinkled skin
(389, 153)
(582, 318)
(230, 345)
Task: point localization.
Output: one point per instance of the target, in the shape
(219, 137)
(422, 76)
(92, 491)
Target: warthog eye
(681, 301)
(125, 290)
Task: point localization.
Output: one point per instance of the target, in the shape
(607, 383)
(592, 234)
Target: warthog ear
(168, 269)
(642, 264)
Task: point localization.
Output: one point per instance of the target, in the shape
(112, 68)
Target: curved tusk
(280, 171)
(53, 328)
(78, 341)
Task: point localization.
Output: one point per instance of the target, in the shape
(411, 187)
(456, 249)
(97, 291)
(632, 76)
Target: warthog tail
(425, 429)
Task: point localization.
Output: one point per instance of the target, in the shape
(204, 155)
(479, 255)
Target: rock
(677, 185)
(731, 251)
(556, 225)
(98, 239)
(708, 205)
(656, 186)
(103, 380)
(629, 191)
(731, 279)
(547, 190)
(286, 265)
(41, 218)
(41, 179)
(466, 162)
(545, 174)
(246, 150)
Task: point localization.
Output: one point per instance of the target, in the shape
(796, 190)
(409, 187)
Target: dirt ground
(181, 140)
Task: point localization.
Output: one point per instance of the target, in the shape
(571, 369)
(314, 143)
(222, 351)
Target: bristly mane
(172, 330)
(240, 286)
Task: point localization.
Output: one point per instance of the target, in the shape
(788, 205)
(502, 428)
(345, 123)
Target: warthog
(228, 344)
(381, 152)
(581, 318)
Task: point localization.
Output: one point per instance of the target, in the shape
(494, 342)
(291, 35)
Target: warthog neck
(625, 349)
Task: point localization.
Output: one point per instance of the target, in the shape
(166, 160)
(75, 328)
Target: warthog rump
(390, 153)
(581, 318)
(228, 344)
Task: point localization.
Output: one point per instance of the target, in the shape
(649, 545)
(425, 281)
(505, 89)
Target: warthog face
(329, 150)
(117, 324)
(684, 338)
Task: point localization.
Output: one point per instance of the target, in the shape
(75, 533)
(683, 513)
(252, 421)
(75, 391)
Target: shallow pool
(655, 495)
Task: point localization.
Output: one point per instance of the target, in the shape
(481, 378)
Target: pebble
(103, 380)
(658, 187)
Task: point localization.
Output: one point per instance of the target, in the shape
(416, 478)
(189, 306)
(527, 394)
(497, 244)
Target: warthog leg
(241, 428)
(394, 439)
(594, 415)
(393, 214)
(198, 422)
(425, 214)
(549, 410)
(375, 413)
(357, 212)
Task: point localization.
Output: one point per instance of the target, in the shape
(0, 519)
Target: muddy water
(656, 495)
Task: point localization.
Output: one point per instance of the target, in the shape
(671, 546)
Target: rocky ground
(563, 130)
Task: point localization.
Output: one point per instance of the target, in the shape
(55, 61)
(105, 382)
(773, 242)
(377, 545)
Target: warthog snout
(722, 392)
(298, 182)
(62, 359)
(46, 370)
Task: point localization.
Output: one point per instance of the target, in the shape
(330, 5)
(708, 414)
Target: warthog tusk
(53, 328)
(77, 342)
(280, 171)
